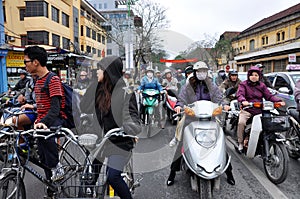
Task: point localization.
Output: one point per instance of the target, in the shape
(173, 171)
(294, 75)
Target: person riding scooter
(233, 81)
(198, 87)
(251, 90)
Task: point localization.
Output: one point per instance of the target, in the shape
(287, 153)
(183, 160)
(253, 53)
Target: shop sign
(15, 59)
(292, 58)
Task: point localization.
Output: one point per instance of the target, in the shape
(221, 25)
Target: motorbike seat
(295, 114)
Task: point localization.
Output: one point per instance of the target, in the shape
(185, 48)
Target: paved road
(153, 157)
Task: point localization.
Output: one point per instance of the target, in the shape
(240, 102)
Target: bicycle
(75, 158)
(89, 186)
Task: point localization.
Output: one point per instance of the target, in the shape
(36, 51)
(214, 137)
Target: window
(103, 39)
(36, 9)
(298, 32)
(94, 50)
(252, 44)
(108, 40)
(278, 36)
(4, 15)
(55, 14)
(88, 32)
(65, 19)
(66, 43)
(100, 6)
(98, 37)
(94, 35)
(99, 53)
(88, 49)
(81, 30)
(55, 40)
(37, 37)
(282, 36)
(264, 40)
(280, 82)
(109, 51)
(82, 47)
(24, 40)
(22, 14)
(105, 5)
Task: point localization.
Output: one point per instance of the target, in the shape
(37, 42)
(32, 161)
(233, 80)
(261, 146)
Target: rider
(187, 71)
(179, 76)
(83, 81)
(233, 81)
(263, 78)
(22, 82)
(221, 77)
(251, 90)
(199, 87)
(170, 83)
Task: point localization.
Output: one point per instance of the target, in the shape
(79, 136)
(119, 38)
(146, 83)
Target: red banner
(178, 60)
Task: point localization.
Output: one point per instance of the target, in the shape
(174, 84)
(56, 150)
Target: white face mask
(201, 75)
(150, 75)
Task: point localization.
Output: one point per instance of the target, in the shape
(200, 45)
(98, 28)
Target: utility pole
(3, 53)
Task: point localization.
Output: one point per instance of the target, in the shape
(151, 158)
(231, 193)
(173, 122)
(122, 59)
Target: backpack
(72, 100)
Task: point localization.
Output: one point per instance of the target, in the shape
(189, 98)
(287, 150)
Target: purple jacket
(254, 93)
(187, 95)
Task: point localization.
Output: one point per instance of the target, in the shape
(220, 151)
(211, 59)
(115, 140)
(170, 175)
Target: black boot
(230, 179)
(171, 178)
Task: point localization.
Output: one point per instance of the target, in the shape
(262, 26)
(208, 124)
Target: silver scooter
(204, 148)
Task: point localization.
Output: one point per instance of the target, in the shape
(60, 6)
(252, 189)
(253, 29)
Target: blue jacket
(154, 84)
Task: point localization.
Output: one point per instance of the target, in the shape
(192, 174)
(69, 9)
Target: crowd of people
(105, 96)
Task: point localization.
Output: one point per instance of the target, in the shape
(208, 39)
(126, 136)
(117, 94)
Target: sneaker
(173, 142)
(57, 172)
(240, 148)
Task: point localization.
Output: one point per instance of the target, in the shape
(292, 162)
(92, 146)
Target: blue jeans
(116, 164)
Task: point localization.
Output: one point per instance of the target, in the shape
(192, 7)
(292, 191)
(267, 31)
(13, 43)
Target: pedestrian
(115, 106)
(199, 87)
(49, 109)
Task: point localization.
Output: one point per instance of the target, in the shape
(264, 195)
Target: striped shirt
(43, 100)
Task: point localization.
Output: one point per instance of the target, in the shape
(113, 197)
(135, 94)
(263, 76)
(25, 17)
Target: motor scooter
(169, 105)
(149, 113)
(263, 137)
(293, 134)
(204, 148)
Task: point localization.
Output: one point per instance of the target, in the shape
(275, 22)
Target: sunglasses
(26, 61)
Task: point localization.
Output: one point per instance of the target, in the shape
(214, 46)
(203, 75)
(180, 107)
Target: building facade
(118, 21)
(270, 42)
(70, 31)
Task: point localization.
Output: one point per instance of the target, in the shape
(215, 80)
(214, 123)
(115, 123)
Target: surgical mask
(150, 75)
(201, 75)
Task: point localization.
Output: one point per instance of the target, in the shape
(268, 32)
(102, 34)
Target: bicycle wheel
(12, 187)
(72, 157)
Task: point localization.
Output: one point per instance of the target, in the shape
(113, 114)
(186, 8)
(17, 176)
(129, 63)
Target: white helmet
(149, 69)
(200, 65)
(167, 71)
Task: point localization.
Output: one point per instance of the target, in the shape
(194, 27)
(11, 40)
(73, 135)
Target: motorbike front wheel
(204, 188)
(277, 165)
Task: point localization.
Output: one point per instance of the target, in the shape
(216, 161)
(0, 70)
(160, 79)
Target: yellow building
(70, 30)
(270, 42)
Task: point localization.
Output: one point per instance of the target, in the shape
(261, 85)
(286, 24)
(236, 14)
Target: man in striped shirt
(49, 105)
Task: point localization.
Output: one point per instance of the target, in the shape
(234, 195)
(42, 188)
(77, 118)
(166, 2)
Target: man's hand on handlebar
(177, 109)
(40, 126)
(245, 103)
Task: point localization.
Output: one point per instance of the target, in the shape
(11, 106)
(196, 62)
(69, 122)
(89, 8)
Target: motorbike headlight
(206, 137)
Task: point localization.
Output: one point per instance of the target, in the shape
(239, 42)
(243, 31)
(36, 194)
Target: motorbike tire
(204, 188)
(292, 143)
(277, 166)
(148, 122)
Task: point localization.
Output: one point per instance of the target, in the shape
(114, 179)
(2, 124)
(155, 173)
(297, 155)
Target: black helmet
(188, 69)
(232, 72)
(259, 66)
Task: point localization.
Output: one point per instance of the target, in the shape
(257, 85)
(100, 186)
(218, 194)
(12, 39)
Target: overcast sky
(194, 18)
(190, 20)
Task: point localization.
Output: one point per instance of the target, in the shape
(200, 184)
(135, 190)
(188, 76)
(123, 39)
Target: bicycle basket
(275, 123)
(88, 140)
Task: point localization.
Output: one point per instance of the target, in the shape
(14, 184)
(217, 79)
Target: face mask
(201, 75)
(222, 73)
(150, 75)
